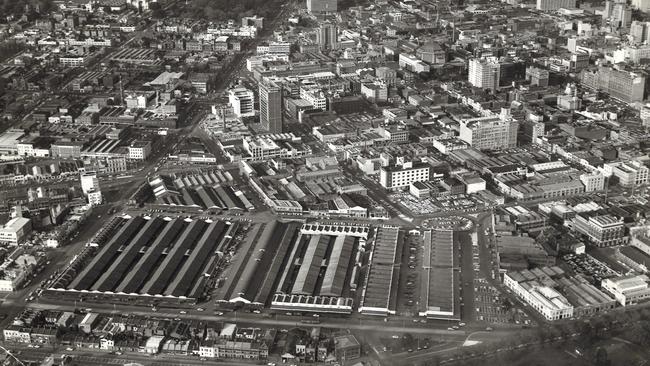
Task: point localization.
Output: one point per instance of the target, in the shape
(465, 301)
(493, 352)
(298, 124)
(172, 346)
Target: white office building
(643, 5)
(551, 5)
(629, 173)
(401, 176)
(139, 150)
(95, 198)
(484, 73)
(412, 63)
(489, 133)
(545, 299)
(627, 290)
(89, 182)
(593, 181)
(15, 231)
(315, 97)
(242, 101)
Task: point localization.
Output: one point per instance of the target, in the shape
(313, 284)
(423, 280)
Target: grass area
(608, 352)
(406, 343)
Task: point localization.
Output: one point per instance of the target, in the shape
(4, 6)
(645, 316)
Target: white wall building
(242, 101)
(549, 5)
(412, 63)
(484, 73)
(89, 182)
(377, 92)
(28, 149)
(627, 290)
(15, 231)
(489, 133)
(629, 173)
(401, 176)
(315, 97)
(207, 351)
(546, 300)
(95, 198)
(140, 150)
(593, 181)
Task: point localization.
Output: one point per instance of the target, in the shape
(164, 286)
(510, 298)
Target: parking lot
(589, 266)
(423, 206)
(406, 343)
(493, 308)
(448, 222)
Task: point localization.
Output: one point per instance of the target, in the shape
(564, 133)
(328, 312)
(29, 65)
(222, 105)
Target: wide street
(353, 322)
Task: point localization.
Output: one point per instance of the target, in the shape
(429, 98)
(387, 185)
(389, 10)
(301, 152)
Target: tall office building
(645, 116)
(639, 31)
(89, 182)
(643, 5)
(321, 6)
(537, 76)
(142, 5)
(271, 106)
(484, 73)
(617, 13)
(620, 84)
(551, 5)
(327, 36)
(621, 16)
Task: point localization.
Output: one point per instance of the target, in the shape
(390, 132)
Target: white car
(183, 312)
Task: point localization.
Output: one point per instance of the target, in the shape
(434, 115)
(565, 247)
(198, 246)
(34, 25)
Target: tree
(602, 359)
(156, 10)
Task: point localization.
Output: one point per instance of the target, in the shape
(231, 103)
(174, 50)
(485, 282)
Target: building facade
(489, 133)
(620, 84)
(630, 173)
(322, 6)
(327, 36)
(484, 73)
(242, 101)
(271, 106)
(628, 290)
(601, 231)
(401, 176)
(15, 231)
(546, 300)
(89, 182)
(550, 5)
(593, 181)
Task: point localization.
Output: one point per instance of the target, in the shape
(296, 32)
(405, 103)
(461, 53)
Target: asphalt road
(393, 326)
(97, 357)
(466, 276)
(489, 264)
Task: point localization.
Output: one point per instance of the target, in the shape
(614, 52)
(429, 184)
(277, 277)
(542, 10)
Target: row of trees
(632, 325)
(9, 49)
(17, 8)
(230, 9)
